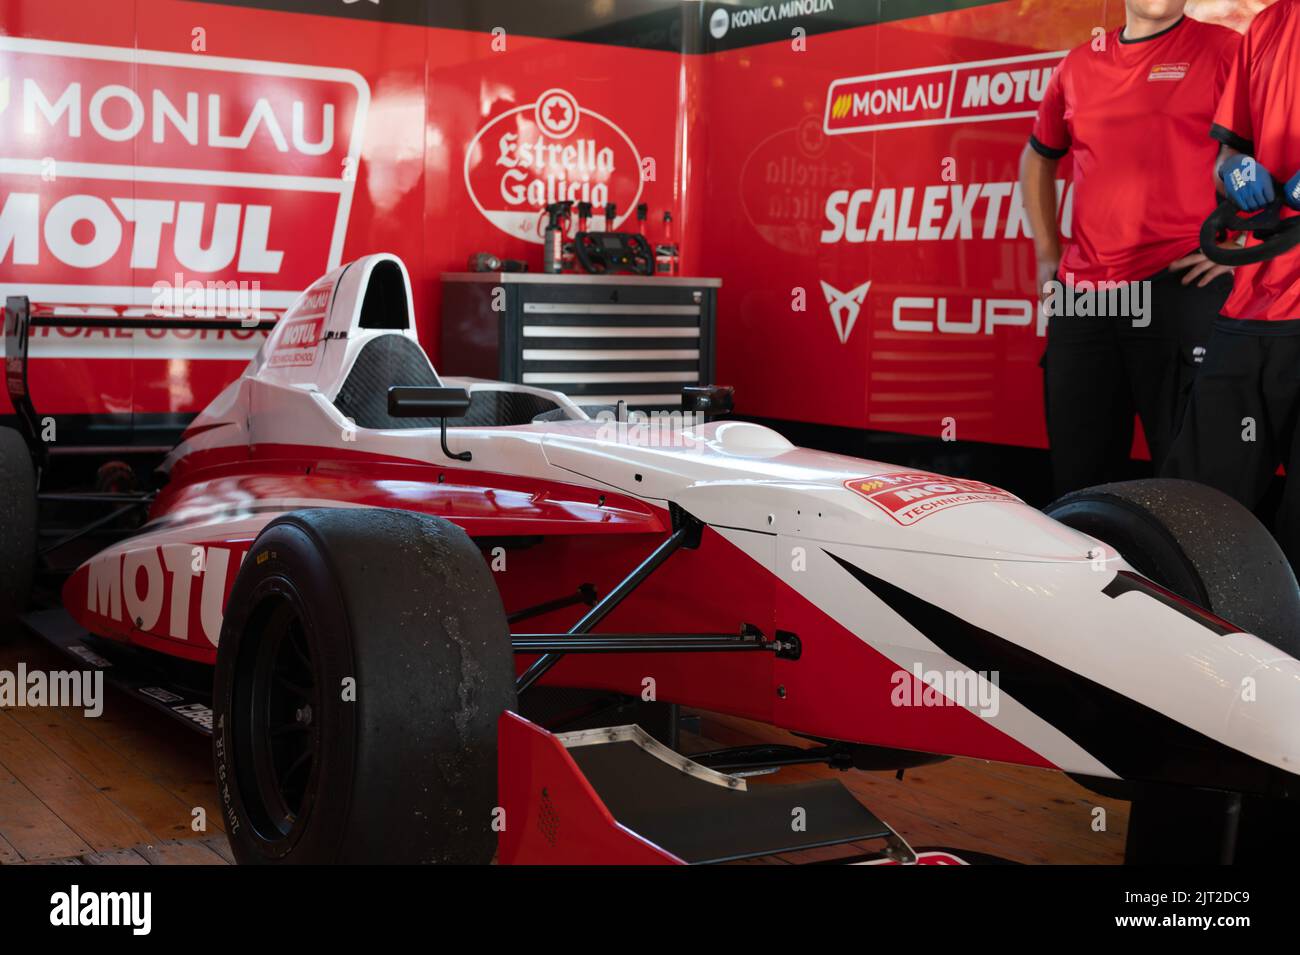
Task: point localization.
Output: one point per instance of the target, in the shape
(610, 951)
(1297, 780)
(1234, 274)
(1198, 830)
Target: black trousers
(1242, 418)
(1098, 372)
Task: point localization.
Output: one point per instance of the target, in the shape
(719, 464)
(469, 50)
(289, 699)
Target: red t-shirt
(1260, 115)
(1133, 115)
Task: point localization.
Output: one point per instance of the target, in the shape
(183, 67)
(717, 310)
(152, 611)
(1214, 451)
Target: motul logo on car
(301, 334)
(913, 496)
(296, 344)
(137, 586)
(127, 165)
(955, 93)
(548, 151)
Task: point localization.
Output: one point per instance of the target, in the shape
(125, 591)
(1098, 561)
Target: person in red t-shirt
(1244, 412)
(1131, 108)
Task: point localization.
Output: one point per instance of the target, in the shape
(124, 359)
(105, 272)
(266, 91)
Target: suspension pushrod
(636, 642)
(606, 604)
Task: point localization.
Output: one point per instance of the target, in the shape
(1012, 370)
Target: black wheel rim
(277, 734)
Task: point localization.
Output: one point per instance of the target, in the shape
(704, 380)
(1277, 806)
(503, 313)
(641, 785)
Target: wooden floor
(123, 788)
(78, 788)
(1033, 816)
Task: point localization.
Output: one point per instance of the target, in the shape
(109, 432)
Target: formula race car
(353, 542)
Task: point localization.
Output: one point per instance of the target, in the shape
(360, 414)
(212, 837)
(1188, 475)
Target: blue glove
(1247, 183)
(1292, 195)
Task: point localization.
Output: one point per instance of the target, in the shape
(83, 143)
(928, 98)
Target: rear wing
(21, 315)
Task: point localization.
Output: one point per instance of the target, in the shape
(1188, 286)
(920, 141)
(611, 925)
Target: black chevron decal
(1131, 739)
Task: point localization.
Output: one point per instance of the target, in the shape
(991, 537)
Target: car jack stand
(616, 796)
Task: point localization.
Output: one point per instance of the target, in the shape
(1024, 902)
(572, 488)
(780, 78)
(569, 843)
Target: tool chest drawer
(598, 339)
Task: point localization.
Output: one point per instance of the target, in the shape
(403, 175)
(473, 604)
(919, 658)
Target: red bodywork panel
(483, 504)
(552, 538)
(551, 814)
(227, 496)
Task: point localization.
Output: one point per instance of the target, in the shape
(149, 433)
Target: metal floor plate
(171, 687)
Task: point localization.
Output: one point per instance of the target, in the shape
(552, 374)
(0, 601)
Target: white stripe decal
(605, 377)
(662, 401)
(610, 354)
(626, 331)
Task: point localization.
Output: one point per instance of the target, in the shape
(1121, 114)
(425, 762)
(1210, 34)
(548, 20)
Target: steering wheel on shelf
(603, 252)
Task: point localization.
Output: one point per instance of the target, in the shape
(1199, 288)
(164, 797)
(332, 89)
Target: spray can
(553, 237)
(666, 251)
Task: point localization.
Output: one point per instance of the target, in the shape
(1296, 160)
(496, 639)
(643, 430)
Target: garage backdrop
(847, 167)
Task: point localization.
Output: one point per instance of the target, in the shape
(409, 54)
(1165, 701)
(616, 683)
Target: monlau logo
(117, 113)
(904, 98)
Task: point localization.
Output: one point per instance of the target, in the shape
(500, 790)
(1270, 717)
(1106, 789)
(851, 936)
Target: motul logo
(124, 166)
(301, 334)
(164, 590)
(86, 232)
(294, 341)
(913, 496)
(1005, 88)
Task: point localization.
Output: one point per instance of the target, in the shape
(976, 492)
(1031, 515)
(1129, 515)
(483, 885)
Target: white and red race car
(353, 541)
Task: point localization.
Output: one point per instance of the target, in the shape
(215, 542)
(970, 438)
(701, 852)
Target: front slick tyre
(363, 663)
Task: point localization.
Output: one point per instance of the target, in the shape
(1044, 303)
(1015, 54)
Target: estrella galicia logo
(548, 151)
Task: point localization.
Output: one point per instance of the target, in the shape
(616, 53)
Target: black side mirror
(413, 401)
(709, 400)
